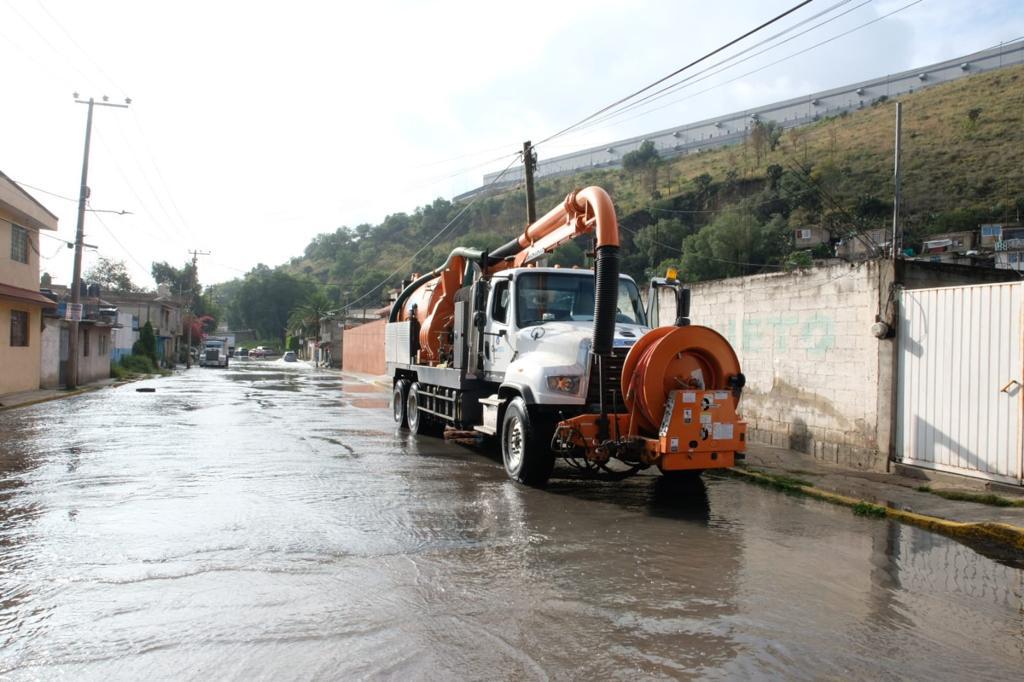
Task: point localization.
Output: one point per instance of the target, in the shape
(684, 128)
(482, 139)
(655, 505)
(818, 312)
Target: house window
(19, 328)
(103, 344)
(19, 244)
(992, 231)
(85, 342)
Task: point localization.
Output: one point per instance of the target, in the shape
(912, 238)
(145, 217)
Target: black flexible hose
(606, 298)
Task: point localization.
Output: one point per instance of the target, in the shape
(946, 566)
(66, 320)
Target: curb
(72, 394)
(50, 398)
(986, 531)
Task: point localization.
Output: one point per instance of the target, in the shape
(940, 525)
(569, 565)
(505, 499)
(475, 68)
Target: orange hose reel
(673, 358)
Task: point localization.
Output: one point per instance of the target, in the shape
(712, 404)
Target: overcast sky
(256, 125)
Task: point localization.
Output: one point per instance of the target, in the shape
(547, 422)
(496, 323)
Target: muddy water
(268, 522)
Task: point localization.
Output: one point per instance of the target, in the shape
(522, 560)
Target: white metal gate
(959, 382)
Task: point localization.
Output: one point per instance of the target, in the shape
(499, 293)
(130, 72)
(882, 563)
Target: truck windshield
(569, 296)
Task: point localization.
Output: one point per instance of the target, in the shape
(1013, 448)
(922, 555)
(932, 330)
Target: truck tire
(415, 419)
(398, 403)
(527, 457)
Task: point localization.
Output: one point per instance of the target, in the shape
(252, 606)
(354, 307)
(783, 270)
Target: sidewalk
(9, 401)
(896, 495)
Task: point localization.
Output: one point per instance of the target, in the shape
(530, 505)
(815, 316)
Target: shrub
(138, 364)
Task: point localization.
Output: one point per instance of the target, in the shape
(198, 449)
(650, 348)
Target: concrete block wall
(363, 348)
(812, 365)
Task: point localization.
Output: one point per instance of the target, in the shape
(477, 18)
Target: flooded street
(270, 522)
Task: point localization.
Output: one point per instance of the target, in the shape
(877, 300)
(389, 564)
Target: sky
(254, 126)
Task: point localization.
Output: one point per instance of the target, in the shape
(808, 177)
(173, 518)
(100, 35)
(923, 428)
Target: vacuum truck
(563, 363)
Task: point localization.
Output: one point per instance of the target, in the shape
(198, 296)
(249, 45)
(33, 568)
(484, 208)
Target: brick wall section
(811, 363)
(363, 348)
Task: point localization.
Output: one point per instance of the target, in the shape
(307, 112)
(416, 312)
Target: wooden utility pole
(195, 273)
(530, 165)
(896, 173)
(74, 314)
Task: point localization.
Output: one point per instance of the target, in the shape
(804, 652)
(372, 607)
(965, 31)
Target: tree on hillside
(661, 241)
(736, 243)
(645, 159)
(112, 275)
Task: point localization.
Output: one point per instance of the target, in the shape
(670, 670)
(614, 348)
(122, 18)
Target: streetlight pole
(75, 314)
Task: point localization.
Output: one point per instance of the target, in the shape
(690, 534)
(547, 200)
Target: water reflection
(224, 527)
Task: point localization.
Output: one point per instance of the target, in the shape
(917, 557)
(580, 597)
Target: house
(162, 310)
(1008, 243)
(810, 236)
(95, 343)
(864, 244)
(22, 222)
(331, 333)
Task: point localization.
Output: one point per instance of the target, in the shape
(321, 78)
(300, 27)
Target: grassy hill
(732, 210)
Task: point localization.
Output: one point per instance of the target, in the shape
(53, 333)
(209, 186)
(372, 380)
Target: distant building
(22, 221)
(99, 319)
(865, 244)
(163, 311)
(1007, 241)
(810, 236)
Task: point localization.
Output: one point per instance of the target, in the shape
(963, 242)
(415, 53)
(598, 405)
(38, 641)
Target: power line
(118, 242)
(692, 80)
(770, 64)
(436, 236)
(675, 73)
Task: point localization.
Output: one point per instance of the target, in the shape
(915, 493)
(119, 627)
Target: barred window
(85, 342)
(19, 244)
(19, 328)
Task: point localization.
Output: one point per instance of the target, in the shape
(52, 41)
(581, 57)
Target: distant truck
(215, 352)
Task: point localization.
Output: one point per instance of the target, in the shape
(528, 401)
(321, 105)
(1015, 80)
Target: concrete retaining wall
(818, 381)
(363, 348)
(811, 363)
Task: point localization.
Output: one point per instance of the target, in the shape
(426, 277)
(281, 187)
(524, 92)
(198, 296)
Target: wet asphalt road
(269, 522)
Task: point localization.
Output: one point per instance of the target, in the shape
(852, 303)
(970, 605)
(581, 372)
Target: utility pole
(75, 314)
(195, 273)
(896, 173)
(530, 165)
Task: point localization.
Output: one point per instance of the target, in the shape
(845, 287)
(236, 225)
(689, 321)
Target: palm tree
(305, 319)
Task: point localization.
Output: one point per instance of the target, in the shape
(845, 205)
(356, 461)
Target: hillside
(732, 210)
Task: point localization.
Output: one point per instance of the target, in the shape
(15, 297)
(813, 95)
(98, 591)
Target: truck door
(498, 340)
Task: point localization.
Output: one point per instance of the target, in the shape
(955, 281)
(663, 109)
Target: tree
(774, 172)
(304, 320)
(266, 298)
(736, 243)
(659, 242)
(183, 281)
(111, 274)
(647, 159)
(146, 345)
(45, 281)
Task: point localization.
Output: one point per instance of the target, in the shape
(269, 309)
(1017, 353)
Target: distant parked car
(258, 352)
(242, 352)
(290, 357)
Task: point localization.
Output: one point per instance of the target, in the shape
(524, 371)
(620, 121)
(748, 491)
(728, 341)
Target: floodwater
(269, 522)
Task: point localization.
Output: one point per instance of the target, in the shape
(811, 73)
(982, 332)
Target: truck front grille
(612, 383)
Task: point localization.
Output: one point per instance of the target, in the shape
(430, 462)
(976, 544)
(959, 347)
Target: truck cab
(214, 353)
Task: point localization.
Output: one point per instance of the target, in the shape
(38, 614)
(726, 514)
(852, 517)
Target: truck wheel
(398, 403)
(528, 459)
(417, 420)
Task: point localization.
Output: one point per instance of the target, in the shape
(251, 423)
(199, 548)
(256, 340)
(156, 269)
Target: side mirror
(682, 306)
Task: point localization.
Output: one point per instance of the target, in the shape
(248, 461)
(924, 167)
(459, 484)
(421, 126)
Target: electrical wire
(118, 242)
(674, 73)
(766, 66)
(720, 260)
(408, 261)
(692, 79)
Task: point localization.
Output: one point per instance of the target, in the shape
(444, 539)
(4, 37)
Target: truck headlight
(564, 383)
